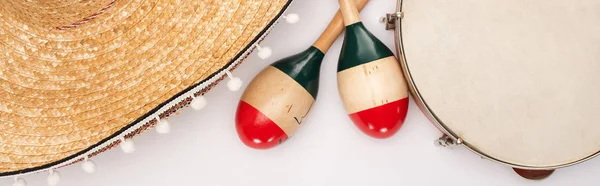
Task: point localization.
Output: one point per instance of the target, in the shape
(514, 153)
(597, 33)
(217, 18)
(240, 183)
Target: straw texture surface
(113, 61)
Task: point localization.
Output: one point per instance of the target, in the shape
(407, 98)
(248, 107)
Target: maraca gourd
(370, 81)
(280, 97)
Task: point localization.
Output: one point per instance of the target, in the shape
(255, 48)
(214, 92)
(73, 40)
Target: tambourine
(514, 81)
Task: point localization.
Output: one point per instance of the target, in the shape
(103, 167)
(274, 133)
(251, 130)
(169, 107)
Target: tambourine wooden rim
(395, 22)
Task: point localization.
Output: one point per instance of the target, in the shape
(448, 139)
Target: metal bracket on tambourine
(390, 20)
(447, 141)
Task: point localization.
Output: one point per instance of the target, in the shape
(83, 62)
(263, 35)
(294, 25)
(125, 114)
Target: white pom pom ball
(163, 127)
(264, 52)
(20, 182)
(198, 103)
(234, 84)
(127, 146)
(53, 178)
(88, 166)
(292, 18)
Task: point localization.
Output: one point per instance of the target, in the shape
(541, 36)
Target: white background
(203, 147)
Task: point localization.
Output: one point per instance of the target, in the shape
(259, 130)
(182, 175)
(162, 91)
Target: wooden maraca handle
(350, 13)
(336, 26)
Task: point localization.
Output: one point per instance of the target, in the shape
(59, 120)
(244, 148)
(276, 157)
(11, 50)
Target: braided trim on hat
(87, 19)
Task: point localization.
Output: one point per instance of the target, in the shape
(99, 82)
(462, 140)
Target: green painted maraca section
(304, 67)
(360, 47)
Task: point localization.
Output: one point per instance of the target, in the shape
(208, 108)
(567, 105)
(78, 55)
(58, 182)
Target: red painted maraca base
(533, 174)
(383, 121)
(255, 129)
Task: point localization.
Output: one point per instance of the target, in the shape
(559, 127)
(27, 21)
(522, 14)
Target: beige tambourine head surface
(517, 80)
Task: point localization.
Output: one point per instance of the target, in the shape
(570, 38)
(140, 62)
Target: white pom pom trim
(292, 18)
(264, 52)
(88, 166)
(198, 103)
(127, 146)
(234, 83)
(162, 126)
(53, 178)
(19, 182)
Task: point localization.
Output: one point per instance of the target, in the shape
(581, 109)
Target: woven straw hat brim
(66, 92)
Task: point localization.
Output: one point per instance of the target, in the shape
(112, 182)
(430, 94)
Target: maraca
(280, 97)
(370, 81)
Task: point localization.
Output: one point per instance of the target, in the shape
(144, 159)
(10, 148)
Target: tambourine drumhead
(517, 80)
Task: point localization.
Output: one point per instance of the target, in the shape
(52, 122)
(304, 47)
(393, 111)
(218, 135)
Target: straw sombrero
(78, 77)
